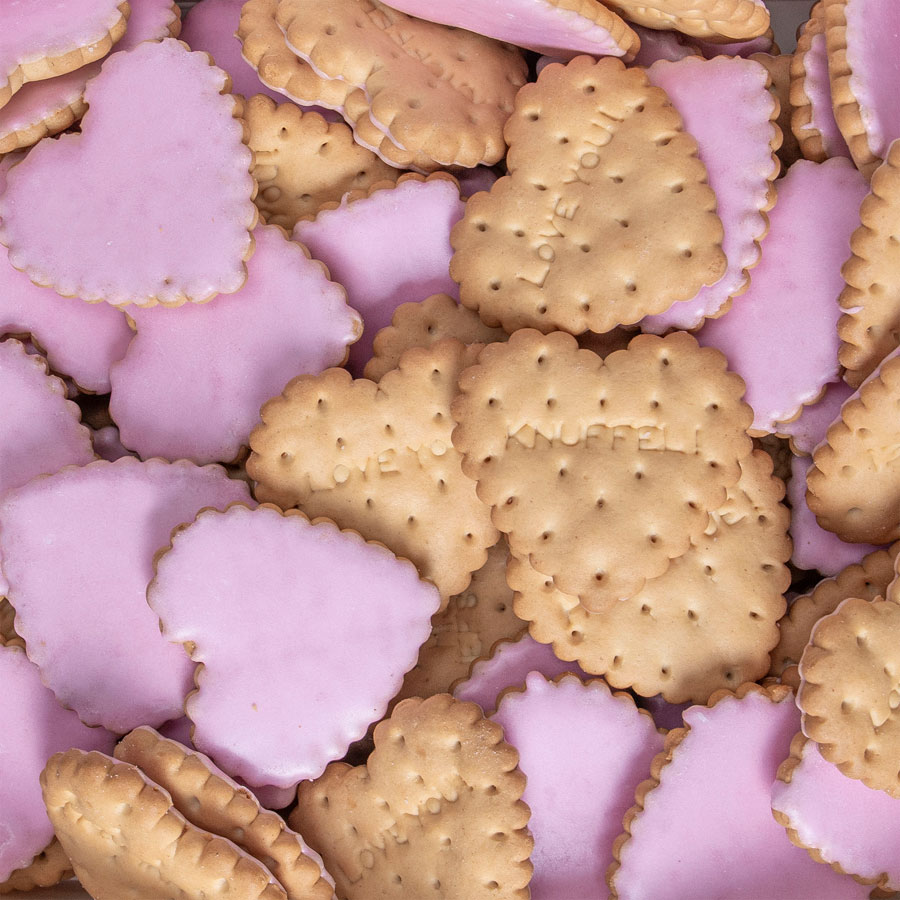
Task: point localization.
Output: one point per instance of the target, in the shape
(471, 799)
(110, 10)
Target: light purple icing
(657, 45)
(666, 715)
(844, 820)
(727, 107)
(108, 445)
(807, 431)
(707, 830)
(584, 751)
(781, 335)
(77, 550)
(817, 87)
(387, 249)
(35, 727)
(711, 49)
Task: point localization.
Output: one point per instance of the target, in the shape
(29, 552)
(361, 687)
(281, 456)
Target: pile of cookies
(449, 452)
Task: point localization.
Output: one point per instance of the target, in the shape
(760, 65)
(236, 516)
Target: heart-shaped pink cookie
(703, 826)
(35, 727)
(77, 550)
(584, 750)
(143, 206)
(304, 633)
(194, 378)
(781, 335)
(387, 247)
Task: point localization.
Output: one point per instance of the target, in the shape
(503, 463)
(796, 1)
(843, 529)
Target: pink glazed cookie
(854, 828)
(703, 826)
(386, 247)
(584, 751)
(781, 336)
(136, 208)
(35, 727)
(194, 378)
(727, 107)
(77, 551)
(303, 633)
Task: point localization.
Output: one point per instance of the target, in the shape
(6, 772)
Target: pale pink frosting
(508, 665)
(304, 632)
(666, 715)
(846, 822)
(781, 335)
(707, 830)
(817, 87)
(534, 24)
(814, 547)
(108, 445)
(77, 550)
(873, 35)
(38, 100)
(584, 751)
(657, 45)
(387, 249)
(143, 204)
(726, 106)
(807, 431)
(35, 727)
(194, 378)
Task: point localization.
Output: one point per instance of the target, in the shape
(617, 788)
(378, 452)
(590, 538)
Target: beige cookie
(378, 458)
(779, 69)
(302, 162)
(436, 812)
(601, 472)
(870, 326)
(716, 20)
(853, 486)
(606, 215)
(850, 691)
(48, 868)
(8, 633)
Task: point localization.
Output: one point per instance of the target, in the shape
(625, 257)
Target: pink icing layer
(31, 30)
(108, 445)
(35, 727)
(657, 45)
(77, 550)
(710, 49)
(847, 822)
(807, 431)
(873, 36)
(781, 335)
(304, 632)
(817, 87)
(509, 664)
(584, 751)
(136, 208)
(534, 24)
(814, 547)
(387, 249)
(666, 715)
(707, 830)
(38, 100)
(194, 377)
(726, 106)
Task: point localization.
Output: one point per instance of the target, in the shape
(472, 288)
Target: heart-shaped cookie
(601, 471)
(403, 825)
(136, 209)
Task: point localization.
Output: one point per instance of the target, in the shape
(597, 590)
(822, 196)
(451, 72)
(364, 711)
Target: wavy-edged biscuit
(716, 20)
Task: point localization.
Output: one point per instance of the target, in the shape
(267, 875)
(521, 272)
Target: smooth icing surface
(538, 25)
(584, 751)
(873, 35)
(781, 335)
(136, 208)
(814, 547)
(847, 822)
(707, 830)
(817, 87)
(305, 634)
(386, 249)
(35, 727)
(108, 445)
(727, 107)
(807, 431)
(666, 715)
(77, 551)
(41, 430)
(194, 377)
(657, 45)
(509, 664)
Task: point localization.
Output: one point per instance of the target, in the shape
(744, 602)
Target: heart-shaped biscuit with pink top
(77, 550)
(702, 825)
(137, 208)
(194, 378)
(304, 633)
(584, 750)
